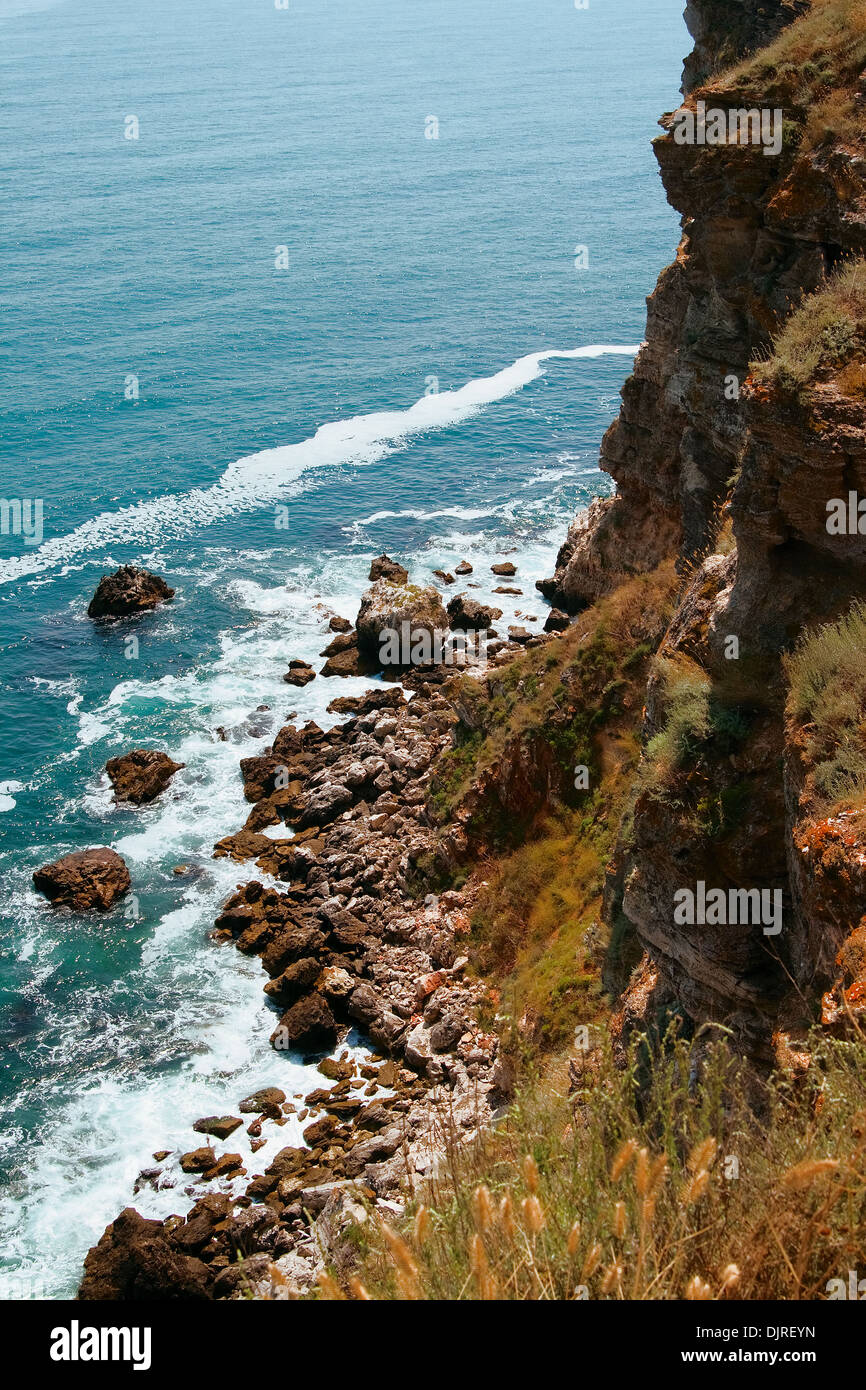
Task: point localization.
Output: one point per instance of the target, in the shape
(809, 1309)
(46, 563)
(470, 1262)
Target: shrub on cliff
(824, 338)
(827, 677)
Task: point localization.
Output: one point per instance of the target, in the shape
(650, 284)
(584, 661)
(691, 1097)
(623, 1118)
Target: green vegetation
(536, 933)
(825, 338)
(642, 1187)
(811, 69)
(827, 677)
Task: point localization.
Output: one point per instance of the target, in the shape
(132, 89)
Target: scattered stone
(505, 569)
(198, 1160)
(463, 568)
(217, 1126)
(443, 576)
(299, 673)
(340, 625)
(504, 589)
(260, 1100)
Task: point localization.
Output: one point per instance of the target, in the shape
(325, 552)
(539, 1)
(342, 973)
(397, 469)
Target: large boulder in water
(89, 880)
(386, 607)
(128, 591)
(140, 775)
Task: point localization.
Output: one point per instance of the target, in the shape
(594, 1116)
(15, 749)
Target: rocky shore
(348, 939)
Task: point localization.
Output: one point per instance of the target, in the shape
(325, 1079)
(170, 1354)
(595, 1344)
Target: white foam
(265, 477)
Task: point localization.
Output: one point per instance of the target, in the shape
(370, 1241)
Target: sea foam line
(260, 478)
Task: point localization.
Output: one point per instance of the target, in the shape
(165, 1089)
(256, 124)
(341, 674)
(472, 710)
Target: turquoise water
(416, 268)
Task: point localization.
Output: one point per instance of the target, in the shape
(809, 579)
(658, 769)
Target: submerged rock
(140, 775)
(89, 880)
(128, 591)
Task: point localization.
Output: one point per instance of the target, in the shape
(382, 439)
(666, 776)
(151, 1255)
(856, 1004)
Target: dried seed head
(423, 1225)
(696, 1188)
(806, 1173)
(657, 1174)
(648, 1210)
(533, 1216)
(697, 1289)
(359, 1291)
(702, 1156)
(612, 1277)
(591, 1263)
(574, 1239)
(506, 1216)
(620, 1217)
(482, 1208)
(530, 1173)
(730, 1278)
(405, 1267)
(478, 1258)
(641, 1171)
(623, 1158)
(329, 1286)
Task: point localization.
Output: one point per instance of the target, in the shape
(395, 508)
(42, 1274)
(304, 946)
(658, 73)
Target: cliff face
(759, 232)
(731, 470)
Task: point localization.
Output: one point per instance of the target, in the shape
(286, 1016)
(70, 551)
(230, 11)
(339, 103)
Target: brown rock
(140, 775)
(90, 880)
(260, 1100)
(126, 592)
(505, 568)
(308, 1024)
(385, 568)
(218, 1126)
(134, 1261)
(299, 673)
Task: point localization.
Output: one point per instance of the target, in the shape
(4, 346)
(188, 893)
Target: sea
(284, 286)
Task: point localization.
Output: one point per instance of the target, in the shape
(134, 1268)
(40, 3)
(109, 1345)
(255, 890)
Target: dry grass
(642, 1186)
(824, 339)
(827, 678)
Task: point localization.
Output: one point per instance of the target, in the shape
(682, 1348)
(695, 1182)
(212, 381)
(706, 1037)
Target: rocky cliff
(743, 421)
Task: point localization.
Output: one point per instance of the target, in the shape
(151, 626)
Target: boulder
(134, 1261)
(383, 567)
(505, 568)
(556, 621)
(126, 592)
(299, 673)
(260, 1100)
(140, 775)
(339, 625)
(308, 1024)
(468, 615)
(386, 607)
(296, 980)
(218, 1126)
(90, 880)
(463, 568)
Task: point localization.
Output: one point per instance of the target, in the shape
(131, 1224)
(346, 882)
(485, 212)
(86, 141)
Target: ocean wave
(267, 476)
